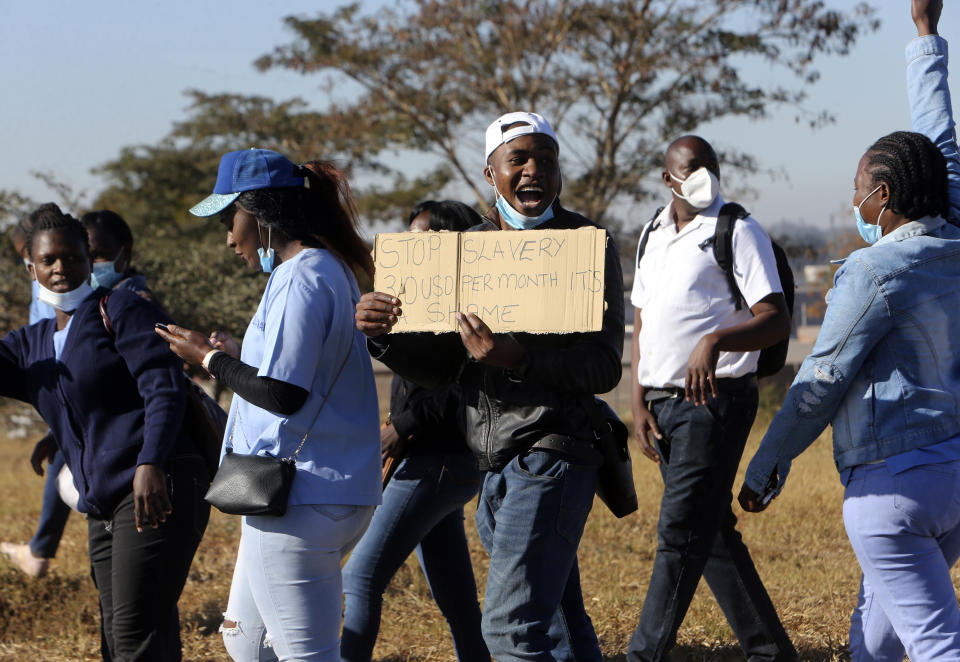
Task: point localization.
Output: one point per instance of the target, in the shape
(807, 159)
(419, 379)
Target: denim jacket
(885, 369)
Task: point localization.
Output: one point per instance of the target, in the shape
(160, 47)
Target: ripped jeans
(287, 593)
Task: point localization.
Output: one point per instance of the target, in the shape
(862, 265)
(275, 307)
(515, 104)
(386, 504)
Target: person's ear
(884, 193)
(33, 271)
(488, 175)
(667, 180)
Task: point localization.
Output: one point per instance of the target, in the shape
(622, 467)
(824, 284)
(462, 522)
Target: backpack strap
(723, 245)
(105, 316)
(647, 229)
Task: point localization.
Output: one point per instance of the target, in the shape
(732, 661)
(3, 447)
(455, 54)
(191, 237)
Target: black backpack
(773, 358)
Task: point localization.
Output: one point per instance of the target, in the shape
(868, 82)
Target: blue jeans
(287, 594)
(700, 452)
(53, 513)
(530, 519)
(422, 509)
(905, 531)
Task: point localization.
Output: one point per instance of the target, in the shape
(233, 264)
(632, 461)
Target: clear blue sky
(83, 79)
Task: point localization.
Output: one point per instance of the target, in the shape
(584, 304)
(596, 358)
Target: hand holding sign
(485, 346)
(377, 313)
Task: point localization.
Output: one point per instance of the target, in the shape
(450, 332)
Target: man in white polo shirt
(694, 400)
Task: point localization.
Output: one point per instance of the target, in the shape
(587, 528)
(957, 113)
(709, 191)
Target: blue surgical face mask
(517, 220)
(266, 256)
(869, 232)
(104, 274)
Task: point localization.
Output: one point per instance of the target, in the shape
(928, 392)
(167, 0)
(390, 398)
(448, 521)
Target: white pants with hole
(287, 595)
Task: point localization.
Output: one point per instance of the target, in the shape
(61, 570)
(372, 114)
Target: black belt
(582, 452)
(724, 385)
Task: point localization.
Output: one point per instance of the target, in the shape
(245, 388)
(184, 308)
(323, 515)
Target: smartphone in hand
(770, 489)
(160, 325)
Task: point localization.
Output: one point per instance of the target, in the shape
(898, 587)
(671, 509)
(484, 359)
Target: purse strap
(323, 404)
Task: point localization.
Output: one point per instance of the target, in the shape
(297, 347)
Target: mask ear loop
(493, 182)
(260, 237)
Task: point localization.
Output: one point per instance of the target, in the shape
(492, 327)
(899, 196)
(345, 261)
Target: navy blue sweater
(112, 403)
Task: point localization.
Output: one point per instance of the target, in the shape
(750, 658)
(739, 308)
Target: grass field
(799, 547)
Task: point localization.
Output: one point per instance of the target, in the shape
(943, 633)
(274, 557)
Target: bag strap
(647, 229)
(105, 316)
(323, 404)
(723, 245)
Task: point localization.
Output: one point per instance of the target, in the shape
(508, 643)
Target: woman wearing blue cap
(302, 375)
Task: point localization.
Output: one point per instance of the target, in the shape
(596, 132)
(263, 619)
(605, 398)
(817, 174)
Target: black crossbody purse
(259, 484)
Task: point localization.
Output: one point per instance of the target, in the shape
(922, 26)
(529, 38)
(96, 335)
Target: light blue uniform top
(300, 334)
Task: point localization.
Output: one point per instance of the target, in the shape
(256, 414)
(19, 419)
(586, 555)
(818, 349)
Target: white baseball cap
(525, 123)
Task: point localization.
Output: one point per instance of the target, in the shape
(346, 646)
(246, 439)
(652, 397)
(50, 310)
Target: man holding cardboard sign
(522, 395)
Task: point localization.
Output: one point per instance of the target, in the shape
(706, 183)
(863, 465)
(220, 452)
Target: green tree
(618, 78)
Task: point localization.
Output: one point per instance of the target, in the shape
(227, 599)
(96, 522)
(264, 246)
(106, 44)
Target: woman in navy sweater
(115, 401)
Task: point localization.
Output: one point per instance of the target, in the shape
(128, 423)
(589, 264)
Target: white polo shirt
(683, 294)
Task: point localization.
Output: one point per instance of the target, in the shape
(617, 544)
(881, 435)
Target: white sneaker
(23, 558)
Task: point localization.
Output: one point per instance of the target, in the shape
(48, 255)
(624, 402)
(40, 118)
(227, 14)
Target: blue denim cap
(248, 170)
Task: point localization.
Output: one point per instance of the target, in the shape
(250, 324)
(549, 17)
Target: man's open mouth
(530, 197)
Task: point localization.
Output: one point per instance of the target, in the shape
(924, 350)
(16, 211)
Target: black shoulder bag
(615, 485)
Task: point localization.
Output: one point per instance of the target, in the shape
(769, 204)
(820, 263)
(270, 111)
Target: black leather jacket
(506, 412)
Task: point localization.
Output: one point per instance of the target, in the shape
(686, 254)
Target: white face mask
(65, 301)
(700, 188)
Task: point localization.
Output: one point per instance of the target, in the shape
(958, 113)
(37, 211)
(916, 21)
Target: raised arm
(931, 111)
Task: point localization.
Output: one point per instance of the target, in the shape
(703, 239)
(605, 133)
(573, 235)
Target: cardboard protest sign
(420, 269)
(537, 281)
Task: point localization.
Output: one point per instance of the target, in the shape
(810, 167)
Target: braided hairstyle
(914, 170)
(446, 215)
(323, 214)
(48, 217)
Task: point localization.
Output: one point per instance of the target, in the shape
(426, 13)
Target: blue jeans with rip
(530, 519)
(422, 510)
(700, 452)
(905, 531)
(53, 513)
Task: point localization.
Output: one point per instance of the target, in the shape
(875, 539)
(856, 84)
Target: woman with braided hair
(304, 388)
(114, 398)
(885, 372)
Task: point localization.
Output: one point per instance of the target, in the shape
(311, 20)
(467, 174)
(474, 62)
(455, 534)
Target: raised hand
(926, 15)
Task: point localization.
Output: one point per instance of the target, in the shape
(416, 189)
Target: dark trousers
(139, 576)
(53, 513)
(700, 453)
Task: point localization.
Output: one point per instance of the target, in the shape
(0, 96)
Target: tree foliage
(617, 78)
(411, 87)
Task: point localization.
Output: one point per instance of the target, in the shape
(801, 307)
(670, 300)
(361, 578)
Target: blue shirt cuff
(930, 44)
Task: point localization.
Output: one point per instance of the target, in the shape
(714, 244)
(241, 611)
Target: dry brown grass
(799, 547)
